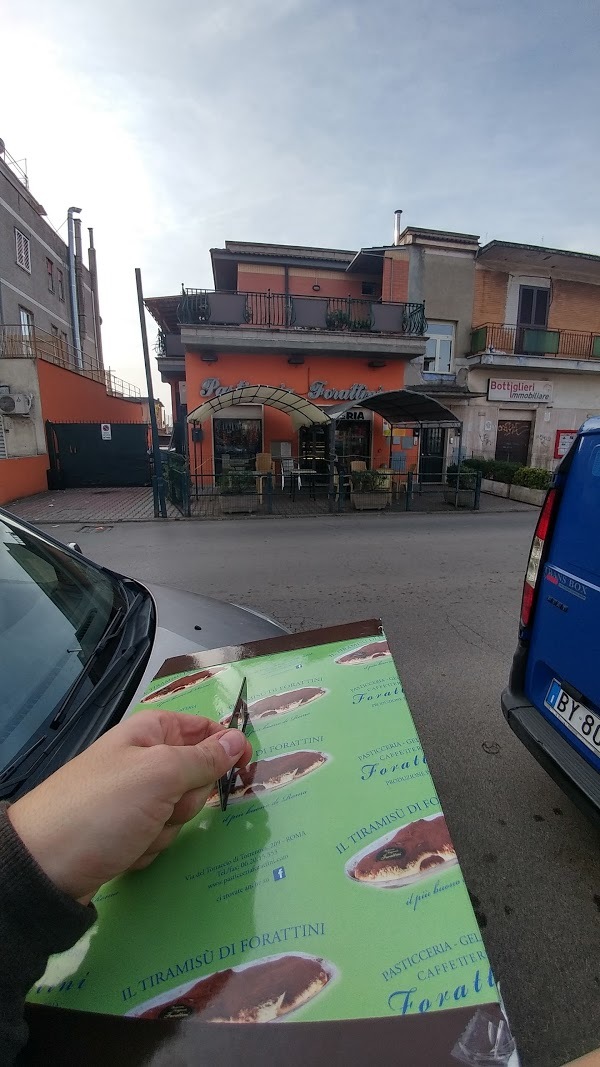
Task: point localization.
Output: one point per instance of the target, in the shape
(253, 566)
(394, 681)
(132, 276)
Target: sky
(176, 126)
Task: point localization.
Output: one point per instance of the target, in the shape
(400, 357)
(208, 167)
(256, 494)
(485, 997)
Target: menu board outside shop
(329, 888)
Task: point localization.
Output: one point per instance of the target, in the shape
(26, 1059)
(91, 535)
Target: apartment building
(534, 359)
(328, 324)
(36, 289)
(51, 365)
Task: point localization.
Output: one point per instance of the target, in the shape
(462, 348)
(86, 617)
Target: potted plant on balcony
(370, 491)
(459, 490)
(238, 491)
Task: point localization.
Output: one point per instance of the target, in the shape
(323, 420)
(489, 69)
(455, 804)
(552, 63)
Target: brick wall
(394, 286)
(574, 306)
(489, 298)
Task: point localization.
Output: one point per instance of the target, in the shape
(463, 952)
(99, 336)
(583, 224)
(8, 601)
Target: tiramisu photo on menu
(415, 851)
(268, 774)
(281, 703)
(260, 992)
(180, 685)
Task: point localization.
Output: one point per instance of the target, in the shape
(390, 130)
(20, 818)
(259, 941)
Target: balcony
(494, 343)
(18, 342)
(272, 322)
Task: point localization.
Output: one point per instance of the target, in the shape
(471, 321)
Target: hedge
(494, 469)
(533, 477)
(500, 471)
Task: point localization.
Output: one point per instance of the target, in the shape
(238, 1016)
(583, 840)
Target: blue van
(553, 698)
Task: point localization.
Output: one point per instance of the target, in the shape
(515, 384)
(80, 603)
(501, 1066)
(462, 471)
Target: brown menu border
(269, 646)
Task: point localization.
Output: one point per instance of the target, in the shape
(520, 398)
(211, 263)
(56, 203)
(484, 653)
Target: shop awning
(301, 411)
(401, 407)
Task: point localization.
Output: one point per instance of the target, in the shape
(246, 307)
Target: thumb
(207, 761)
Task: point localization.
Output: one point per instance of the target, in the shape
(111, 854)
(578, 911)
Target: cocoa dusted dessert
(260, 993)
(415, 851)
(179, 685)
(268, 774)
(366, 653)
(281, 703)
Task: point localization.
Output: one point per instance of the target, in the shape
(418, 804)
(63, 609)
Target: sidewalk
(89, 505)
(135, 505)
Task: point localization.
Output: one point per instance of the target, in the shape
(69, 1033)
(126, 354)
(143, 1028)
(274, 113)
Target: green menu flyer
(329, 889)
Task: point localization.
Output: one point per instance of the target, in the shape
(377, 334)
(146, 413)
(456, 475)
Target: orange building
(41, 384)
(328, 324)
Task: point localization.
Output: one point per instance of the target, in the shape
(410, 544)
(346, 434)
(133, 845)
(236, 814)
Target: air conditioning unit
(15, 404)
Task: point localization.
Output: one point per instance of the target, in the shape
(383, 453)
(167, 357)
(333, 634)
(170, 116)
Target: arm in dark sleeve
(36, 920)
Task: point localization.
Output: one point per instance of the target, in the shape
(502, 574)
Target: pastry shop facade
(320, 323)
(236, 434)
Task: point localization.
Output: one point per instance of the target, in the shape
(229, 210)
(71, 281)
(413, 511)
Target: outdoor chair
(264, 463)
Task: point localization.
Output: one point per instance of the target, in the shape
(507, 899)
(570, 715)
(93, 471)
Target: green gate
(85, 455)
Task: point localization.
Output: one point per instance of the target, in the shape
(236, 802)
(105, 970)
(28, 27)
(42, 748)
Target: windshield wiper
(113, 630)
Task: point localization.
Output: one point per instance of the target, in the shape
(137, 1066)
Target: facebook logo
(278, 874)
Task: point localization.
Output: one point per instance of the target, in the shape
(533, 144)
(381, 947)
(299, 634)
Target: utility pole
(158, 482)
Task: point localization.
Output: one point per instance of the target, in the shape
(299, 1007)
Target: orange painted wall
(274, 370)
(300, 280)
(22, 477)
(69, 397)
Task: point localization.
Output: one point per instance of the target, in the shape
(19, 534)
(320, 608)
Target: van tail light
(536, 555)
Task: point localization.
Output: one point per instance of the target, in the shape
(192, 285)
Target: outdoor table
(298, 473)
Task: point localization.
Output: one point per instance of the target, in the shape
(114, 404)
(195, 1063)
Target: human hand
(120, 803)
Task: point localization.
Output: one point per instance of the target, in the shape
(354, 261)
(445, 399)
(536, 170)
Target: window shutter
(23, 250)
(3, 452)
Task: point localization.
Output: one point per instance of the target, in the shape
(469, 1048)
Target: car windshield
(53, 611)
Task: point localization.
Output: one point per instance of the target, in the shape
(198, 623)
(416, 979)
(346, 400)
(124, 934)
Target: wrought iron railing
(30, 343)
(199, 307)
(534, 341)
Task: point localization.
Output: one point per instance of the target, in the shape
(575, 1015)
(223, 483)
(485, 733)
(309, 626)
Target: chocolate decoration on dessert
(390, 853)
(280, 703)
(372, 651)
(268, 774)
(178, 685)
(413, 851)
(260, 993)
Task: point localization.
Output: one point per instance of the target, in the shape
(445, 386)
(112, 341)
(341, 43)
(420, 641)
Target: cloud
(180, 125)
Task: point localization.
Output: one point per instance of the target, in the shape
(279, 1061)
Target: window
(368, 289)
(533, 306)
(26, 323)
(50, 274)
(23, 250)
(438, 349)
(60, 284)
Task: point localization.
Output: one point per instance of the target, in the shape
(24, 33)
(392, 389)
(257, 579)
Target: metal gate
(431, 458)
(84, 455)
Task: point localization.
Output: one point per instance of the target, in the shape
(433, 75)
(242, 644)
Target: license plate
(579, 719)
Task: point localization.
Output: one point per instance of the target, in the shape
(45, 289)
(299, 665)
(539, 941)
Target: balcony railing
(533, 341)
(30, 343)
(199, 307)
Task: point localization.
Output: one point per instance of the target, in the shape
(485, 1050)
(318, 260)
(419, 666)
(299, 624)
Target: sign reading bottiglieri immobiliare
(516, 390)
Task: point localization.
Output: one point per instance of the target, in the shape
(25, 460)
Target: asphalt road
(448, 589)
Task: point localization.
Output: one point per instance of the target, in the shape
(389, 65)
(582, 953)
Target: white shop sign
(519, 391)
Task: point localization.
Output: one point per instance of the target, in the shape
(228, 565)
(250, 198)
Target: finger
(190, 804)
(201, 765)
(164, 838)
(170, 728)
